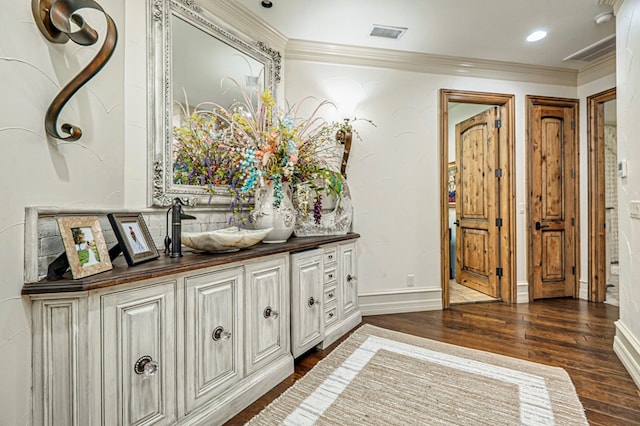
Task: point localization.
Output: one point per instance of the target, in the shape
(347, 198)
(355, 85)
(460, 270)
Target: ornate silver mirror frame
(162, 16)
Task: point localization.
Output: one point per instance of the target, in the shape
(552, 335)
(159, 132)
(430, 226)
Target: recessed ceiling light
(536, 36)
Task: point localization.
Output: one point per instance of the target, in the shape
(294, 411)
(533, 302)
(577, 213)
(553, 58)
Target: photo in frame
(451, 183)
(84, 245)
(134, 237)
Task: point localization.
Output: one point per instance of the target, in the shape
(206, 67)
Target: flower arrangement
(254, 143)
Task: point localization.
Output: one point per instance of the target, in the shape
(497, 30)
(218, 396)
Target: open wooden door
(477, 248)
(553, 197)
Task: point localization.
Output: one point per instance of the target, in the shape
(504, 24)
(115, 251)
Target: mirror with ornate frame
(194, 59)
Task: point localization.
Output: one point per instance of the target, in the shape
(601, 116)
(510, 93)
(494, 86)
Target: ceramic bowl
(224, 240)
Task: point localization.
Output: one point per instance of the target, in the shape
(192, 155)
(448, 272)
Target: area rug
(382, 377)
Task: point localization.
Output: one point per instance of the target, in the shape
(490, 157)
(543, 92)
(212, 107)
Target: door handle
(456, 223)
(540, 226)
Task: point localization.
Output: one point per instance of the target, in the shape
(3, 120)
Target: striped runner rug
(382, 377)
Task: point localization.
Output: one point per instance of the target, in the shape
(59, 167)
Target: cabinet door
(307, 321)
(213, 338)
(267, 312)
(349, 294)
(138, 347)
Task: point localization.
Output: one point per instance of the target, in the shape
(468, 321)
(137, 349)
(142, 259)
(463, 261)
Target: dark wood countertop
(123, 274)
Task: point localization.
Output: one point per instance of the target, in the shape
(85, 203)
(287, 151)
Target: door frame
(597, 275)
(531, 101)
(507, 189)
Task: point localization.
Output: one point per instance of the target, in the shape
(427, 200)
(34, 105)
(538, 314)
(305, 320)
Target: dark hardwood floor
(568, 333)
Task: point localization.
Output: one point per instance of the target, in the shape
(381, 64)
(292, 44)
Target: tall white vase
(282, 218)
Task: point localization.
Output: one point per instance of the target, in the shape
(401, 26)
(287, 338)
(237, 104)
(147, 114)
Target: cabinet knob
(313, 301)
(330, 314)
(351, 278)
(330, 276)
(330, 295)
(220, 334)
(146, 366)
(270, 313)
(330, 257)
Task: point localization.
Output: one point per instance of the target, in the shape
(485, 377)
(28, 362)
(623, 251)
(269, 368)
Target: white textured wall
(628, 105)
(36, 170)
(394, 172)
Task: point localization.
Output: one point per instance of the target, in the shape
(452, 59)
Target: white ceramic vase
(281, 218)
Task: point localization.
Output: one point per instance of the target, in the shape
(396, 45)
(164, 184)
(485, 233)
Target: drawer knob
(330, 276)
(330, 295)
(312, 302)
(220, 334)
(330, 314)
(270, 313)
(351, 278)
(330, 257)
(146, 366)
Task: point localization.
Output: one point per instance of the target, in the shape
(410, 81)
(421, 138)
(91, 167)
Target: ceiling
(487, 30)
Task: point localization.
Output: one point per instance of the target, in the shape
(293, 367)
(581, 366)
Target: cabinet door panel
(349, 294)
(307, 316)
(136, 324)
(267, 315)
(213, 360)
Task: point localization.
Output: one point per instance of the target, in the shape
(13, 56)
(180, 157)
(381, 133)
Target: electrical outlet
(411, 280)
(634, 209)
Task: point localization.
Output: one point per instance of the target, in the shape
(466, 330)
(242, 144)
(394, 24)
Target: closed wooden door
(476, 203)
(552, 206)
(266, 312)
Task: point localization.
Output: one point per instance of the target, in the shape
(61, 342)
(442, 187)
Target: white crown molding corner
(615, 4)
(627, 347)
(602, 68)
(426, 63)
(245, 21)
(395, 302)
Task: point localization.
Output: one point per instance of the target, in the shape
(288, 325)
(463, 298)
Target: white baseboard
(399, 301)
(627, 347)
(583, 293)
(522, 292)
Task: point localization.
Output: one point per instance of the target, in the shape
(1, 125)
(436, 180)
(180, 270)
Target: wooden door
(138, 347)
(307, 319)
(267, 312)
(552, 206)
(476, 203)
(347, 282)
(213, 335)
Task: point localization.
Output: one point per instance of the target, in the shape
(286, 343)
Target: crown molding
(615, 4)
(243, 20)
(604, 67)
(427, 63)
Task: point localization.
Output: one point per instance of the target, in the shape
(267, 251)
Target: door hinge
(573, 125)
(573, 221)
(498, 124)
(573, 173)
(573, 270)
(499, 272)
(499, 222)
(498, 173)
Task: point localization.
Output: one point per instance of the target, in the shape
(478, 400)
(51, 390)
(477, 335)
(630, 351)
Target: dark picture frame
(84, 245)
(134, 237)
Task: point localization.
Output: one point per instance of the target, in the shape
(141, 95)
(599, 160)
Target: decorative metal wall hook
(54, 18)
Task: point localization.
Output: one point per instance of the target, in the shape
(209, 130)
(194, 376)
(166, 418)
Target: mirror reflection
(202, 66)
(197, 61)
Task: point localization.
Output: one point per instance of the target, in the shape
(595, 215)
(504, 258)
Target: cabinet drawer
(330, 314)
(330, 274)
(330, 294)
(330, 255)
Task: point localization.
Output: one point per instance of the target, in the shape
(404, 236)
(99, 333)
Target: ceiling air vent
(596, 51)
(386, 31)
